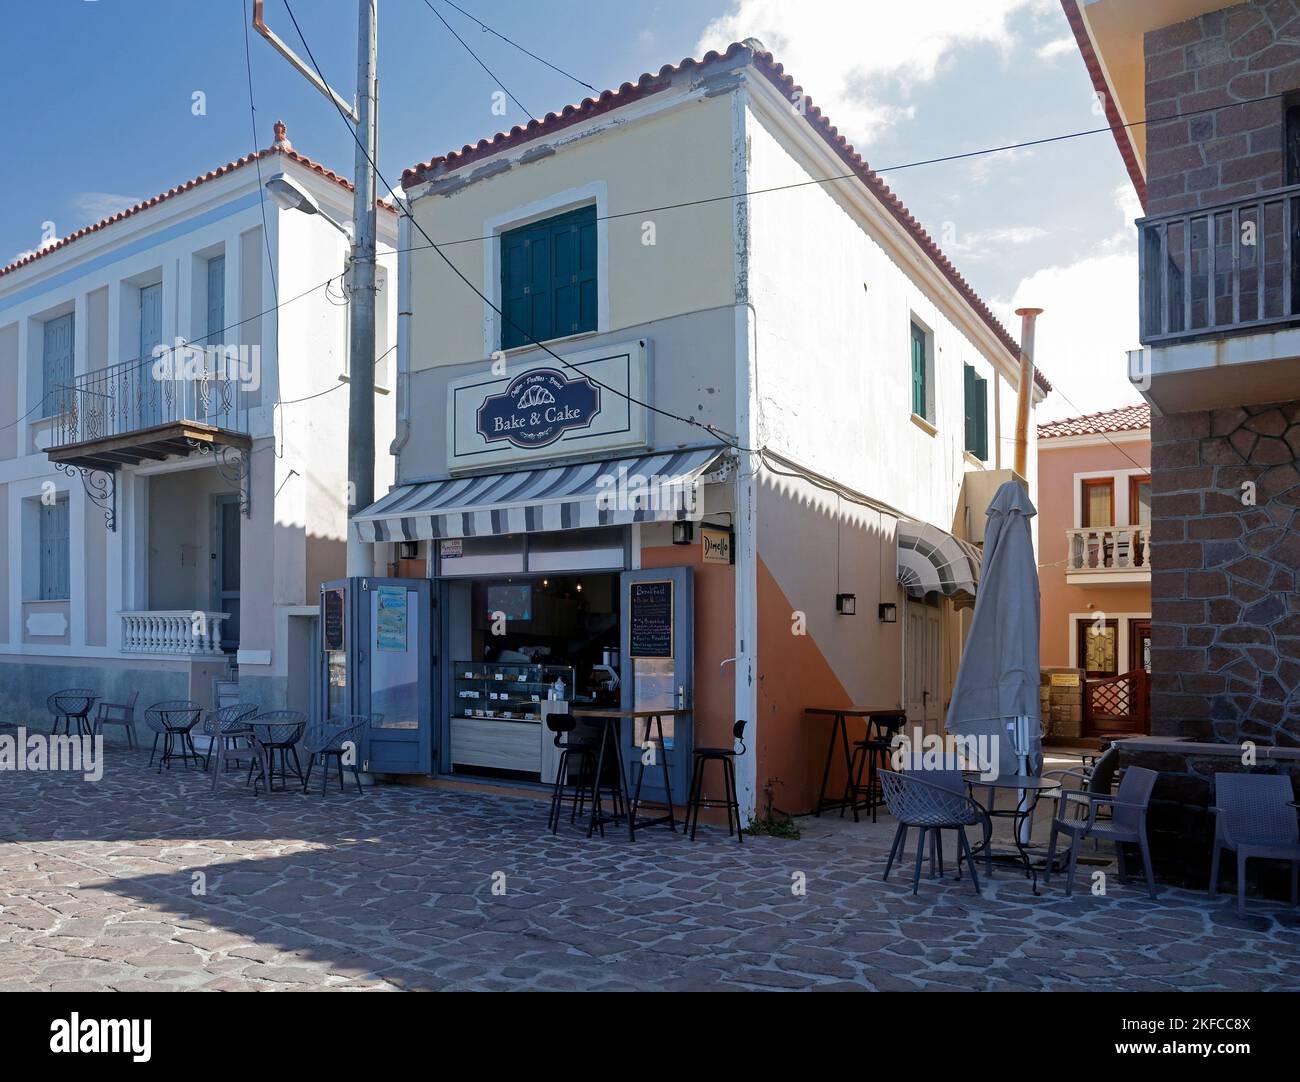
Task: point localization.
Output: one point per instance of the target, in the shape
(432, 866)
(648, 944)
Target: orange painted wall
(1056, 469)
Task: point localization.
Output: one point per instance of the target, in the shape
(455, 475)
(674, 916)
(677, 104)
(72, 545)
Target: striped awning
(615, 492)
(931, 560)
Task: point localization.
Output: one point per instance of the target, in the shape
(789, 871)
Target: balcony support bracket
(233, 465)
(100, 486)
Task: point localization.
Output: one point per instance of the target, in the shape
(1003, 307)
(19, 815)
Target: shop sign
(650, 619)
(333, 620)
(451, 549)
(517, 411)
(537, 408)
(1065, 679)
(716, 546)
(390, 618)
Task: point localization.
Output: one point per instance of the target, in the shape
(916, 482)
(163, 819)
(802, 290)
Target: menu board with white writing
(650, 619)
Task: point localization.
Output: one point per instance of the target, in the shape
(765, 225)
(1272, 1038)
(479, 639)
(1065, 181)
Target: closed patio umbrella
(996, 692)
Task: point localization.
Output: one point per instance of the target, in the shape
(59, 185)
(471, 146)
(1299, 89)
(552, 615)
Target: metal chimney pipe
(1025, 391)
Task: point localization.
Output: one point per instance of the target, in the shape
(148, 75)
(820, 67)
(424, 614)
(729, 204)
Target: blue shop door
(379, 659)
(658, 670)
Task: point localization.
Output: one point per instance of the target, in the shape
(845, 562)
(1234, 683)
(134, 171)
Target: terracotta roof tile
(283, 148)
(1124, 419)
(764, 62)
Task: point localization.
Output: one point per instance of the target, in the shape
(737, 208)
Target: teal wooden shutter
(548, 279)
(918, 371)
(968, 399)
(56, 364)
(981, 418)
(216, 297)
(54, 584)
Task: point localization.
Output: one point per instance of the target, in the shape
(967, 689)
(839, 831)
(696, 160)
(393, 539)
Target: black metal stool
(869, 755)
(727, 757)
(584, 751)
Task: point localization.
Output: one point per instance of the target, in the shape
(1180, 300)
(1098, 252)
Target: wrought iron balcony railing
(1220, 269)
(188, 386)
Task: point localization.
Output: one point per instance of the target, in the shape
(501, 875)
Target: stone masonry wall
(1215, 62)
(1224, 606)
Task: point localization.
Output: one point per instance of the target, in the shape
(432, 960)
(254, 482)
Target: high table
(840, 727)
(1022, 812)
(610, 721)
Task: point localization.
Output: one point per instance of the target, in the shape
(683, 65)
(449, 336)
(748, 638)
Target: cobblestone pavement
(99, 889)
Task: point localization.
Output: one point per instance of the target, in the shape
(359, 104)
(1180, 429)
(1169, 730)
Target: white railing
(1108, 549)
(179, 631)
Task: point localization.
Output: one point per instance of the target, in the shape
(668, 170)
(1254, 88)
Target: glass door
(658, 670)
(396, 668)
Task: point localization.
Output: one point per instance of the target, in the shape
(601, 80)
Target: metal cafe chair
(870, 754)
(225, 727)
(727, 757)
(272, 732)
(172, 720)
(122, 714)
(937, 802)
(333, 739)
(577, 765)
(69, 705)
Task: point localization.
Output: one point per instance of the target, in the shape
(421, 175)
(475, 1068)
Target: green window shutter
(982, 419)
(968, 400)
(918, 371)
(548, 278)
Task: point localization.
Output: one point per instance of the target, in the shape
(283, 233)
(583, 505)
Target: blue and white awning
(931, 560)
(615, 492)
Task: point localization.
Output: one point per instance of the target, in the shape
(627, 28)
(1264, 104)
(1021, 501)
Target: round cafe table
(1031, 787)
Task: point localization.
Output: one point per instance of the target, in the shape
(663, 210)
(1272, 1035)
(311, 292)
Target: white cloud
(95, 206)
(1056, 47)
(1089, 321)
(980, 244)
(846, 52)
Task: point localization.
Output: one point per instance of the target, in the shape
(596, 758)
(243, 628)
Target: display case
(497, 712)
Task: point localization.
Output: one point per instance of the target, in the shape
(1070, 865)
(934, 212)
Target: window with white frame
(56, 364)
(53, 584)
(921, 357)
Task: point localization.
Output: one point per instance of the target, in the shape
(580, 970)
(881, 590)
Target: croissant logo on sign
(537, 408)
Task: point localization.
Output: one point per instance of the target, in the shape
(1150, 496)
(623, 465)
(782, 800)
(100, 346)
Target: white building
(162, 523)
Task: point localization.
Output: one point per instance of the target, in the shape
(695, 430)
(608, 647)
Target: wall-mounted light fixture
(846, 604)
(683, 533)
(888, 612)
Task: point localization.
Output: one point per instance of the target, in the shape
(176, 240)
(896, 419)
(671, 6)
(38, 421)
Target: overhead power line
(488, 30)
(495, 78)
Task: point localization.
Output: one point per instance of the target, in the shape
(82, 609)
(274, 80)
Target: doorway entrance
(923, 664)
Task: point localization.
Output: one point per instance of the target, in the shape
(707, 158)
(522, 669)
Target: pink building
(1094, 517)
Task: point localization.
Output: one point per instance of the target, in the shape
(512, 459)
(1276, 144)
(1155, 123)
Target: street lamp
(288, 194)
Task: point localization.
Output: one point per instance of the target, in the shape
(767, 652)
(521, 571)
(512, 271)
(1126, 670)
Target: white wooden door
(923, 665)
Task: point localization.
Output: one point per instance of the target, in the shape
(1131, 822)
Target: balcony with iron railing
(1108, 554)
(1218, 270)
(148, 409)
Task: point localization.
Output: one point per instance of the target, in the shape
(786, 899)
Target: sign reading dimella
(589, 402)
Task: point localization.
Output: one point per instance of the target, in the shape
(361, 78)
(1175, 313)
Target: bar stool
(584, 751)
(870, 755)
(727, 757)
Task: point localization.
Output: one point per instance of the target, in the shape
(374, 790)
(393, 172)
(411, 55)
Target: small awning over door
(932, 560)
(647, 488)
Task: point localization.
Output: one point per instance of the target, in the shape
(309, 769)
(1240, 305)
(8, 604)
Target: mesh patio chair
(172, 720)
(936, 802)
(277, 731)
(337, 739)
(122, 714)
(1253, 818)
(225, 727)
(1127, 825)
(69, 705)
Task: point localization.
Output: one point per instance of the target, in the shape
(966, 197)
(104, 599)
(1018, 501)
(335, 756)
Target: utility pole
(361, 348)
(361, 342)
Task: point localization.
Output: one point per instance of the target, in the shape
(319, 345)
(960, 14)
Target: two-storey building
(172, 441)
(1094, 543)
(687, 407)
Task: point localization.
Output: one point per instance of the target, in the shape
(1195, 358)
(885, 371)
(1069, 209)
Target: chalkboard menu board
(650, 619)
(333, 620)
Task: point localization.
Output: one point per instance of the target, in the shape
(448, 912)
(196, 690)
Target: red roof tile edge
(1123, 419)
(649, 84)
(221, 171)
(1122, 137)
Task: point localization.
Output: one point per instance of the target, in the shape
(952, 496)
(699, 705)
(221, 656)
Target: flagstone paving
(141, 881)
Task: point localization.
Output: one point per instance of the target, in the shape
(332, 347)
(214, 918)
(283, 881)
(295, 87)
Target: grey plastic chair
(172, 720)
(1128, 824)
(122, 714)
(333, 739)
(936, 802)
(225, 727)
(1255, 820)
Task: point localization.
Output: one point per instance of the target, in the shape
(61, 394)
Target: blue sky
(101, 92)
